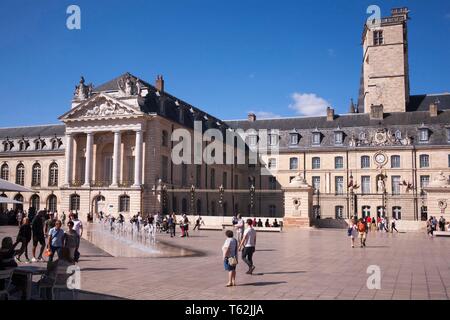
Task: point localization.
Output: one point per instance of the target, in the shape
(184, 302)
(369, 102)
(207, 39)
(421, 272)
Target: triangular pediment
(101, 106)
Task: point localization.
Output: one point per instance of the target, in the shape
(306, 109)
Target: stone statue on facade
(128, 86)
(83, 91)
(381, 184)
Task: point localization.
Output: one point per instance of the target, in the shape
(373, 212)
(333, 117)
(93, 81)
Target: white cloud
(265, 115)
(308, 104)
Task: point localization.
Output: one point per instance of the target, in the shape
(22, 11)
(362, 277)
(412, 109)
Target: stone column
(89, 145)
(138, 160)
(116, 159)
(69, 156)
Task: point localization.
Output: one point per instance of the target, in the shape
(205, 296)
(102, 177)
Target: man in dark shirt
(38, 236)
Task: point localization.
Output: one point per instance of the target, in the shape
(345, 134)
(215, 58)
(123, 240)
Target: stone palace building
(112, 151)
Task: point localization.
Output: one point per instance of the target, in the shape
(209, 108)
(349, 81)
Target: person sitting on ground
(275, 224)
(260, 223)
(267, 224)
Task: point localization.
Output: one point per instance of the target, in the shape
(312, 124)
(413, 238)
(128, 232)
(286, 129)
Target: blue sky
(226, 57)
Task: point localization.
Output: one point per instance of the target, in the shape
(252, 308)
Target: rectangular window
(316, 163)
(378, 39)
(236, 182)
(293, 163)
(338, 138)
(424, 181)
(130, 170)
(449, 160)
(448, 135)
(184, 174)
(395, 185)
(213, 179)
(316, 184)
(339, 163)
(316, 138)
(395, 162)
(423, 136)
(339, 185)
(424, 161)
(365, 162)
(365, 184)
(293, 139)
(273, 139)
(108, 173)
(253, 140)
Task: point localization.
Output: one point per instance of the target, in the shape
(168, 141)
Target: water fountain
(126, 239)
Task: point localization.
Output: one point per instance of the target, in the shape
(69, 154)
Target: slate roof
(422, 102)
(33, 131)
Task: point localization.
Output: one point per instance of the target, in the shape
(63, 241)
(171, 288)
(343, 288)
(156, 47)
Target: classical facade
(112, 151)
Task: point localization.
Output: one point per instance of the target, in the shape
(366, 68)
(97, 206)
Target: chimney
(330, 114)
(251, 117)
(376, 112)
(433, 110)
(159, 83)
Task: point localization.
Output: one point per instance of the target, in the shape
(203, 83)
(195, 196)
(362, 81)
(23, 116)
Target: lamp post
(192, 199)
(252, 198)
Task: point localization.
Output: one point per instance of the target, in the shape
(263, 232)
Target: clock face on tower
(380, 158)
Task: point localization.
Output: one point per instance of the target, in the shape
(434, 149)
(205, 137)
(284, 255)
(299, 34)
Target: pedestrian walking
(230, 257)
(23, 237)
(248, 246)
(393, 225)
(362, 230)
(71, 240)
(37, 226)
(352, 232)
(239, 228)
(55, 240)
(198, 223)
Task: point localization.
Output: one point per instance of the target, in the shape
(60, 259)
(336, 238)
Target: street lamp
(192, 199)
(252, 196)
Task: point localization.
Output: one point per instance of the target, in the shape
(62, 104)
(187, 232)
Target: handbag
(233, 261)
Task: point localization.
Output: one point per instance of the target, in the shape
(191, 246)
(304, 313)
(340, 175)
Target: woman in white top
(230, 250)
(352, 231)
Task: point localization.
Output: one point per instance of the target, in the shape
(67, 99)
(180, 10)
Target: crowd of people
(359, 228)
(433, 225)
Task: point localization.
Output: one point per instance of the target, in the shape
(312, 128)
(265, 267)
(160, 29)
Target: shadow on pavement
(261, 284)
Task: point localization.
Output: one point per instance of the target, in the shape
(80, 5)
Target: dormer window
(273, 139)
(253, 140)
(424, 135)
(293, 139)
(448, 135)
(22, 146)
(316, 137)
(338, 137)
(398, 135)
(8, 145)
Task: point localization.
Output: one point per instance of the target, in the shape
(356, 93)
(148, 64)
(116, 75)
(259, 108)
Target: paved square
(294, 264)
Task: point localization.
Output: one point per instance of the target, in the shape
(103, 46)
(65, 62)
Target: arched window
(54, 144)
(365, 162)
(36, 175)
(18, 206)
(74, 202)
(4, 172)
(52, 203)
(53, 175)
(22, 146)
(397, 213)
(3, 206)
(35, 202)
(37, 145)
(20, 174)
(124, 203)
(365, 211)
